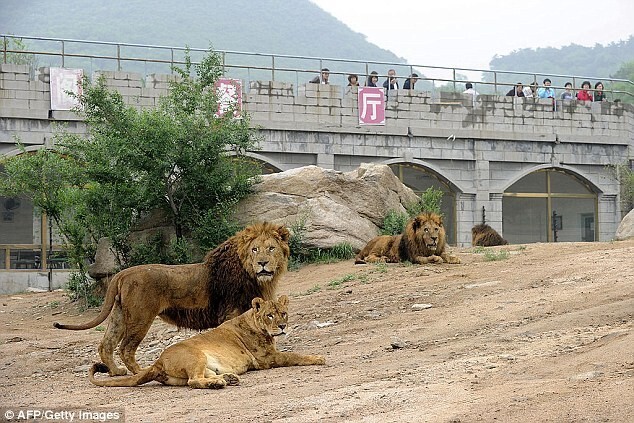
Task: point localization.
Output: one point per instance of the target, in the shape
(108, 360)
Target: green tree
(625, 89)
(15, 48)
(178, 159)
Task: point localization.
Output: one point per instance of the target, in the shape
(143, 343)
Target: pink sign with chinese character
(371, 106)
(229, 92)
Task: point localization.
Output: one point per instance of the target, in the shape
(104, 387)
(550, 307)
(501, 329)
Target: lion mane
(423, 241)
(195, 296)
(483, 235)
(215, 358)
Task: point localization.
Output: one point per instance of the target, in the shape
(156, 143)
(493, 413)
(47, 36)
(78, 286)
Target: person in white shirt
(470, 89)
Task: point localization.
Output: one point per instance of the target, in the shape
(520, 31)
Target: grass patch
(380, 267)
(303, 256)
(337, 283)
(312, 290)
(492, 255)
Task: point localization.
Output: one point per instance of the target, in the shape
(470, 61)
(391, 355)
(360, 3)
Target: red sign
(371, 106)
(229, 93)
(62, 82)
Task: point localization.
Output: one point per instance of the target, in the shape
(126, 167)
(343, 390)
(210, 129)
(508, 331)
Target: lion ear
(283, 233)
(416, 224)
(257, 303)
(283, 300)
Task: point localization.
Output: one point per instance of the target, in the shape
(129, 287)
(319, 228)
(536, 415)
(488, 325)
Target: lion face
(271, 316)
(429, 231)
(264, 251)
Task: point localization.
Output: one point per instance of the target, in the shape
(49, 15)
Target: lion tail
(111, 294)
(144, 376)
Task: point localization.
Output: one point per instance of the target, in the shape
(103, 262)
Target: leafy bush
(81, 288)
(154, 250)
(430, 201)
(394, 223)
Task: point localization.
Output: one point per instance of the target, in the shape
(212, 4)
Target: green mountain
(265, 26)
(587, 62)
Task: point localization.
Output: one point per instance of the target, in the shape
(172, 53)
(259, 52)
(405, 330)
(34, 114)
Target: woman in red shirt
(583, 94)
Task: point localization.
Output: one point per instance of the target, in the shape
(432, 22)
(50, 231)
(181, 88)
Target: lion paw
(231, 379)
(117, 371)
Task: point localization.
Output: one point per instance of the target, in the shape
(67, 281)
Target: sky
(468, 33)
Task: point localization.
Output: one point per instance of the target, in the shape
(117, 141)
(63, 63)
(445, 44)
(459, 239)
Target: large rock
(626, 227)
(336, 206)
(106, 263)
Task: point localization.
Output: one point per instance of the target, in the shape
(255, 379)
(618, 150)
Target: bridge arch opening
(550, 205)
(419, 178)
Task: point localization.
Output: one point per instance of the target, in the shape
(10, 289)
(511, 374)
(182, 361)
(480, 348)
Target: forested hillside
(268, 26)
(597, 61)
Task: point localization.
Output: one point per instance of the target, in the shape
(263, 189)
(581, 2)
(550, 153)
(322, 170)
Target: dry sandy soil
(545, 335)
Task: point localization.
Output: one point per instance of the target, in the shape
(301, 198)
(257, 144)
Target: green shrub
(81, 288)
(394, 223)
(430, 201)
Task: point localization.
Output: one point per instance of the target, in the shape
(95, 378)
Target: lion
(424, 241)
(485, 236)
(215, 358)
(195, 296)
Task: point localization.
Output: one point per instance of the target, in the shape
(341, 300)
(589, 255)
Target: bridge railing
(147, 59)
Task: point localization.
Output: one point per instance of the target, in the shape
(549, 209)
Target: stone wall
(478, 146)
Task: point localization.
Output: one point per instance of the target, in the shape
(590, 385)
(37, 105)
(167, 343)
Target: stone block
(40, 104)
(11, 68)
(14, 85)
(14, 103)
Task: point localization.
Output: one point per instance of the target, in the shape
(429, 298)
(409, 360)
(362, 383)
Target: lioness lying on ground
(213, 359)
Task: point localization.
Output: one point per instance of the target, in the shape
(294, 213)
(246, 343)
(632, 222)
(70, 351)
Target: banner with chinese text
(229, 92)
(62, 81)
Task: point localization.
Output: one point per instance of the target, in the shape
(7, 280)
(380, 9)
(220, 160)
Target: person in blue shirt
(546, 91)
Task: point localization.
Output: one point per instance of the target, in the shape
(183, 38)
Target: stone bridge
(534, 170)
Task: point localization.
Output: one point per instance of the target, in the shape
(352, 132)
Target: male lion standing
(194, 296)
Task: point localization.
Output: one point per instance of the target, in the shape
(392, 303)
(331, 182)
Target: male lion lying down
(195, 296)
(215, 358)
(424, 241)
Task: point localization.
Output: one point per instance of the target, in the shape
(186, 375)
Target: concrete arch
(267, 161)
(17, 151)
(568, 169)
(435, 170)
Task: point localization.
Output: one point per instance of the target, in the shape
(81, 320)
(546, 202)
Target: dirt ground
(543, 335)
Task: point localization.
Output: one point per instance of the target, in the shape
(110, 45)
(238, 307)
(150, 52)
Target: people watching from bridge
(372, 80)
(353, 80)
(546, 91)
(410, 82)
(390, 83)
(321, 78)
(599, 95)
(584, 93)
(516, 91)
(568, 94)
(531, 90)
(469, 89)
